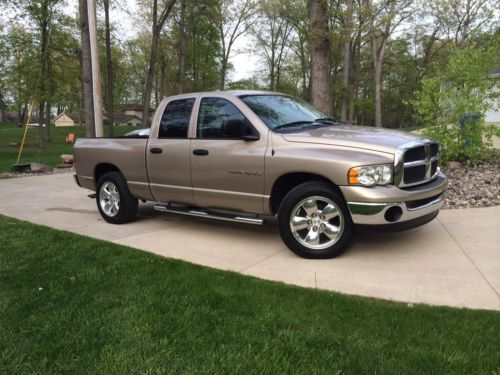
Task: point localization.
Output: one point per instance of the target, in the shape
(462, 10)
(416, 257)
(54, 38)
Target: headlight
(370, 175)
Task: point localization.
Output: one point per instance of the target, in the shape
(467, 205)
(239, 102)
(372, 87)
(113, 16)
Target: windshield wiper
(328, 120)
(293, 124)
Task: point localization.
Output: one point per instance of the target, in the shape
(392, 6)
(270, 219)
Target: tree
(296, 12)
(233, 20)
(384, 17)
(43, 12)
(273, 33)
(182, 48)
(321, 84)
(109, 69)
(157, 23)
(3, 70)
(86, 70)
(454, 101)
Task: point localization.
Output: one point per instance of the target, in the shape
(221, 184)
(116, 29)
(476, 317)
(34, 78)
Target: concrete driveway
(453, 261)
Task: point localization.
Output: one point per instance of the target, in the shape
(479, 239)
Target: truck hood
(368, 138)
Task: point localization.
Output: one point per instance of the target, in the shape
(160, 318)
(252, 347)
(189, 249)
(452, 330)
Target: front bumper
(386, 205)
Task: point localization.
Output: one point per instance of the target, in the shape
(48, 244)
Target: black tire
(291, 209)
(127, 204)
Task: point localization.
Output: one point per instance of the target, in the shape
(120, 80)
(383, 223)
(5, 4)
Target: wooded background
(362, 61)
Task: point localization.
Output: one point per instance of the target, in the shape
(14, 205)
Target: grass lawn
(11, 133)
(77, 305)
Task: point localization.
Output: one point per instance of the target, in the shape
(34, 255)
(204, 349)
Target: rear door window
(175, 119)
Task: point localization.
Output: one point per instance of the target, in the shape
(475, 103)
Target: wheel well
(103, 168)
(287, 182)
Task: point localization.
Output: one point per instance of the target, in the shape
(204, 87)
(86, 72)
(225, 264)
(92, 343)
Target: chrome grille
(416, 163)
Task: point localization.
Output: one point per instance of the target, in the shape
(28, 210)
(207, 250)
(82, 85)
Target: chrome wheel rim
(317, 222)
(109, 199)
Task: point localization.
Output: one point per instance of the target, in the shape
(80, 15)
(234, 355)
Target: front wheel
(314, 221)
(114, 201)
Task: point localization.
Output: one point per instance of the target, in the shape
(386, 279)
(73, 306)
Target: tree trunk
(86, 70)
(223, 72)
(303, 68)
(321, 84)
(149, 79)
(346, 95)
(2, 108)
(49, 97)
(182, 49)
(163, 73)
(109, 70)
(41, 101)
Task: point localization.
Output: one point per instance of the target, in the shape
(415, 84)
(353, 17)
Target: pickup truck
(249, 155)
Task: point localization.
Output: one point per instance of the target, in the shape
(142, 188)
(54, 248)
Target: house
(120, 119)
(68, 119)
(133, 110)
(493, 115)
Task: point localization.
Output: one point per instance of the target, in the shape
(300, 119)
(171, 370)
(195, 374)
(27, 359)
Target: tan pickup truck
(246, 155)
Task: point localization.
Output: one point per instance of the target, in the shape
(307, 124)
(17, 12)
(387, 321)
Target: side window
(212, 114)
(175, 120)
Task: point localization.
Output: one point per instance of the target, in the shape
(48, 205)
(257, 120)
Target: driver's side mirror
(237, 128)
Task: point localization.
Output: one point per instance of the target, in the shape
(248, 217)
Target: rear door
(226, 172)
(168, 153)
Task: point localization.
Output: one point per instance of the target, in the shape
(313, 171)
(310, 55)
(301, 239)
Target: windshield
(284, 112)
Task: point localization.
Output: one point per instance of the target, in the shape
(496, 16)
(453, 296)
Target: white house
(493, 115)
(68, 119)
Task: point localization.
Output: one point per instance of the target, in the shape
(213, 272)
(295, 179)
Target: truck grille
(418, 164)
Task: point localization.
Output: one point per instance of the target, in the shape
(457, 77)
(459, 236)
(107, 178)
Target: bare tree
(321, 82)
(158, 21)
(233, 20)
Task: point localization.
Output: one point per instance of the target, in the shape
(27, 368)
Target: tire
(114, 201)
(323, 226)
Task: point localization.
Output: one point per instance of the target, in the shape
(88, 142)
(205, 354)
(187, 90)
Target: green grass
(77, 305)
(12, 134)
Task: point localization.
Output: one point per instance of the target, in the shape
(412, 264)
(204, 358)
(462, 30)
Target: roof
(123, 119)
(74, 116)
(130, 107)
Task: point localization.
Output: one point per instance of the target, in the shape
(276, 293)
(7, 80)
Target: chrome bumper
(389, 213)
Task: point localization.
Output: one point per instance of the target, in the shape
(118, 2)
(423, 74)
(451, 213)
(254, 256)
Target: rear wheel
(114, 201)
(314, 221)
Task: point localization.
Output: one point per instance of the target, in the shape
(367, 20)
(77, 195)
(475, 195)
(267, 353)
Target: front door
(226, 172)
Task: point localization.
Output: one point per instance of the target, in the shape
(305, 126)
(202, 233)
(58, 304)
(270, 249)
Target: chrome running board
(210, 215)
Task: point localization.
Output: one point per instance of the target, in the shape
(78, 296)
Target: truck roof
(228, 93)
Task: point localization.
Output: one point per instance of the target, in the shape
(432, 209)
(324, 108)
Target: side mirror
(237, 128)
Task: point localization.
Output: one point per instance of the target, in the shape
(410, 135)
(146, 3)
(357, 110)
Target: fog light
(393, 214)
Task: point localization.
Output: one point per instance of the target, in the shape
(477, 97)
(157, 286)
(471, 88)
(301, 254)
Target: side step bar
(209, 215)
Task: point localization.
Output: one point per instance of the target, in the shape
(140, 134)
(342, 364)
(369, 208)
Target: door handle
(156, 150)
(200, 152)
